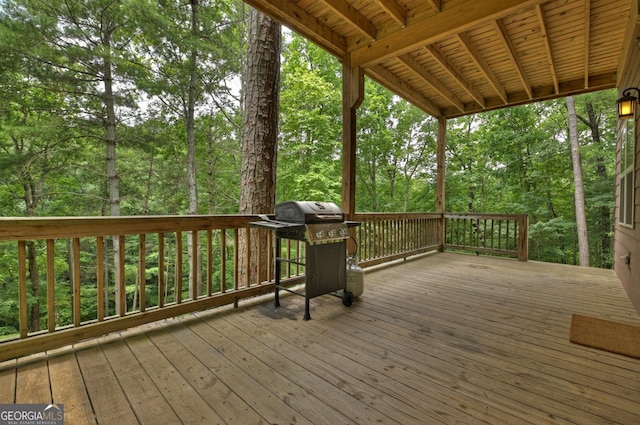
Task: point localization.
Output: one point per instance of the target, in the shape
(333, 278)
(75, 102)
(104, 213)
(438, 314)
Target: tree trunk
(191, 153)
(581, 220)
(32, 190)
(601, 171)
(259, 135)
(210, 171)
(31, 197)
(110, 140)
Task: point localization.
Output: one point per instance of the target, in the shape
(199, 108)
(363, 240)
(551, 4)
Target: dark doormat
(606, 335)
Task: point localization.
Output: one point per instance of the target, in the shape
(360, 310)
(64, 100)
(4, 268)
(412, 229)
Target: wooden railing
(384, 237)
(73, 284)
(500, 234)
(77, 278)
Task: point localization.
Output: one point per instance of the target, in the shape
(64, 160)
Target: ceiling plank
(355, 18)
(459, 18)
(428, 78)
(587, 40)
(547, 46)
(439, 57)
(394, 10)
(482, 65)
(387, 79)
(295, 18)
(513, 56)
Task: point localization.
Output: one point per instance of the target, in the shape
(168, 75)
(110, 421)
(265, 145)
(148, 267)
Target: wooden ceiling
(458, 57)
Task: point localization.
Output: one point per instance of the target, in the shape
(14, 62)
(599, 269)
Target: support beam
(355, 18)
(587, 40)
(389, 80)
(294, 17)
(440, 164)
(440, 177)
(513, 56)
(352, 97)
(459, 18)
(482, 66)
(547, 46)
(572, 87)
(394, 10)
(428, 78)
(436, 4)
(453, 72)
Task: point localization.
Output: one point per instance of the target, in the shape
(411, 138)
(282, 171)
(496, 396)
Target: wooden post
(440, 177)
(523, 227)
(352, 97)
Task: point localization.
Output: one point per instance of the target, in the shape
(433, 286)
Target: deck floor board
(442, 339)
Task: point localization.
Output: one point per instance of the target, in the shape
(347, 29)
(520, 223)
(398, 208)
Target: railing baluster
(387, 242)
(142, 267)
(100, 277)
(223, 261)
(77, 304)
(492, 234)
(162, 284)
(259, 270)
(247, 257)
(209, 262)
(122, 298)
(22, 289)
(484, 233)
(270, 257)
(236, 257)
(177, 286)
(193, 265)
(51, 286)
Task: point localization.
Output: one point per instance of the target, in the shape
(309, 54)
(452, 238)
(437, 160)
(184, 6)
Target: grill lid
(309, 212)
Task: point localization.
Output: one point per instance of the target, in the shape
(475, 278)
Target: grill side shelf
(299, 261)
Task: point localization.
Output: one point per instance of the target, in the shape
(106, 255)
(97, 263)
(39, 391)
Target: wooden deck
(446, 338)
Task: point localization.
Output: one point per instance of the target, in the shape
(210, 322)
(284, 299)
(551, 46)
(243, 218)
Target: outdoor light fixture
(627, 103)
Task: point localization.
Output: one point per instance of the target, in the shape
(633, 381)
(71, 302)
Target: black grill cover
(309, 212)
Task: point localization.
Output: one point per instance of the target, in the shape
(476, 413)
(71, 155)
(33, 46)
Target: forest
(135, 108)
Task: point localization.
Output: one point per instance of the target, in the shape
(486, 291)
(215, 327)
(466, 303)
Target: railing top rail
(20, 228)
(484, 215)
(392, 215)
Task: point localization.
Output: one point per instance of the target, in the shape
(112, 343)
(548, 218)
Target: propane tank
(355, 277)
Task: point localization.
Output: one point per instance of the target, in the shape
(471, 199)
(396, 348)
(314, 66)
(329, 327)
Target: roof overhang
(457, 57)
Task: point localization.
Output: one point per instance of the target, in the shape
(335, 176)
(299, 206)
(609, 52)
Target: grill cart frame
(321, 227)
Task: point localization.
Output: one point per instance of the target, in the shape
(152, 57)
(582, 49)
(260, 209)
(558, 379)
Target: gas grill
(322, 227)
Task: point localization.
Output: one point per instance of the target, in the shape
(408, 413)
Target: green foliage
(517, 160)
(310, 143)
(52, 134)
